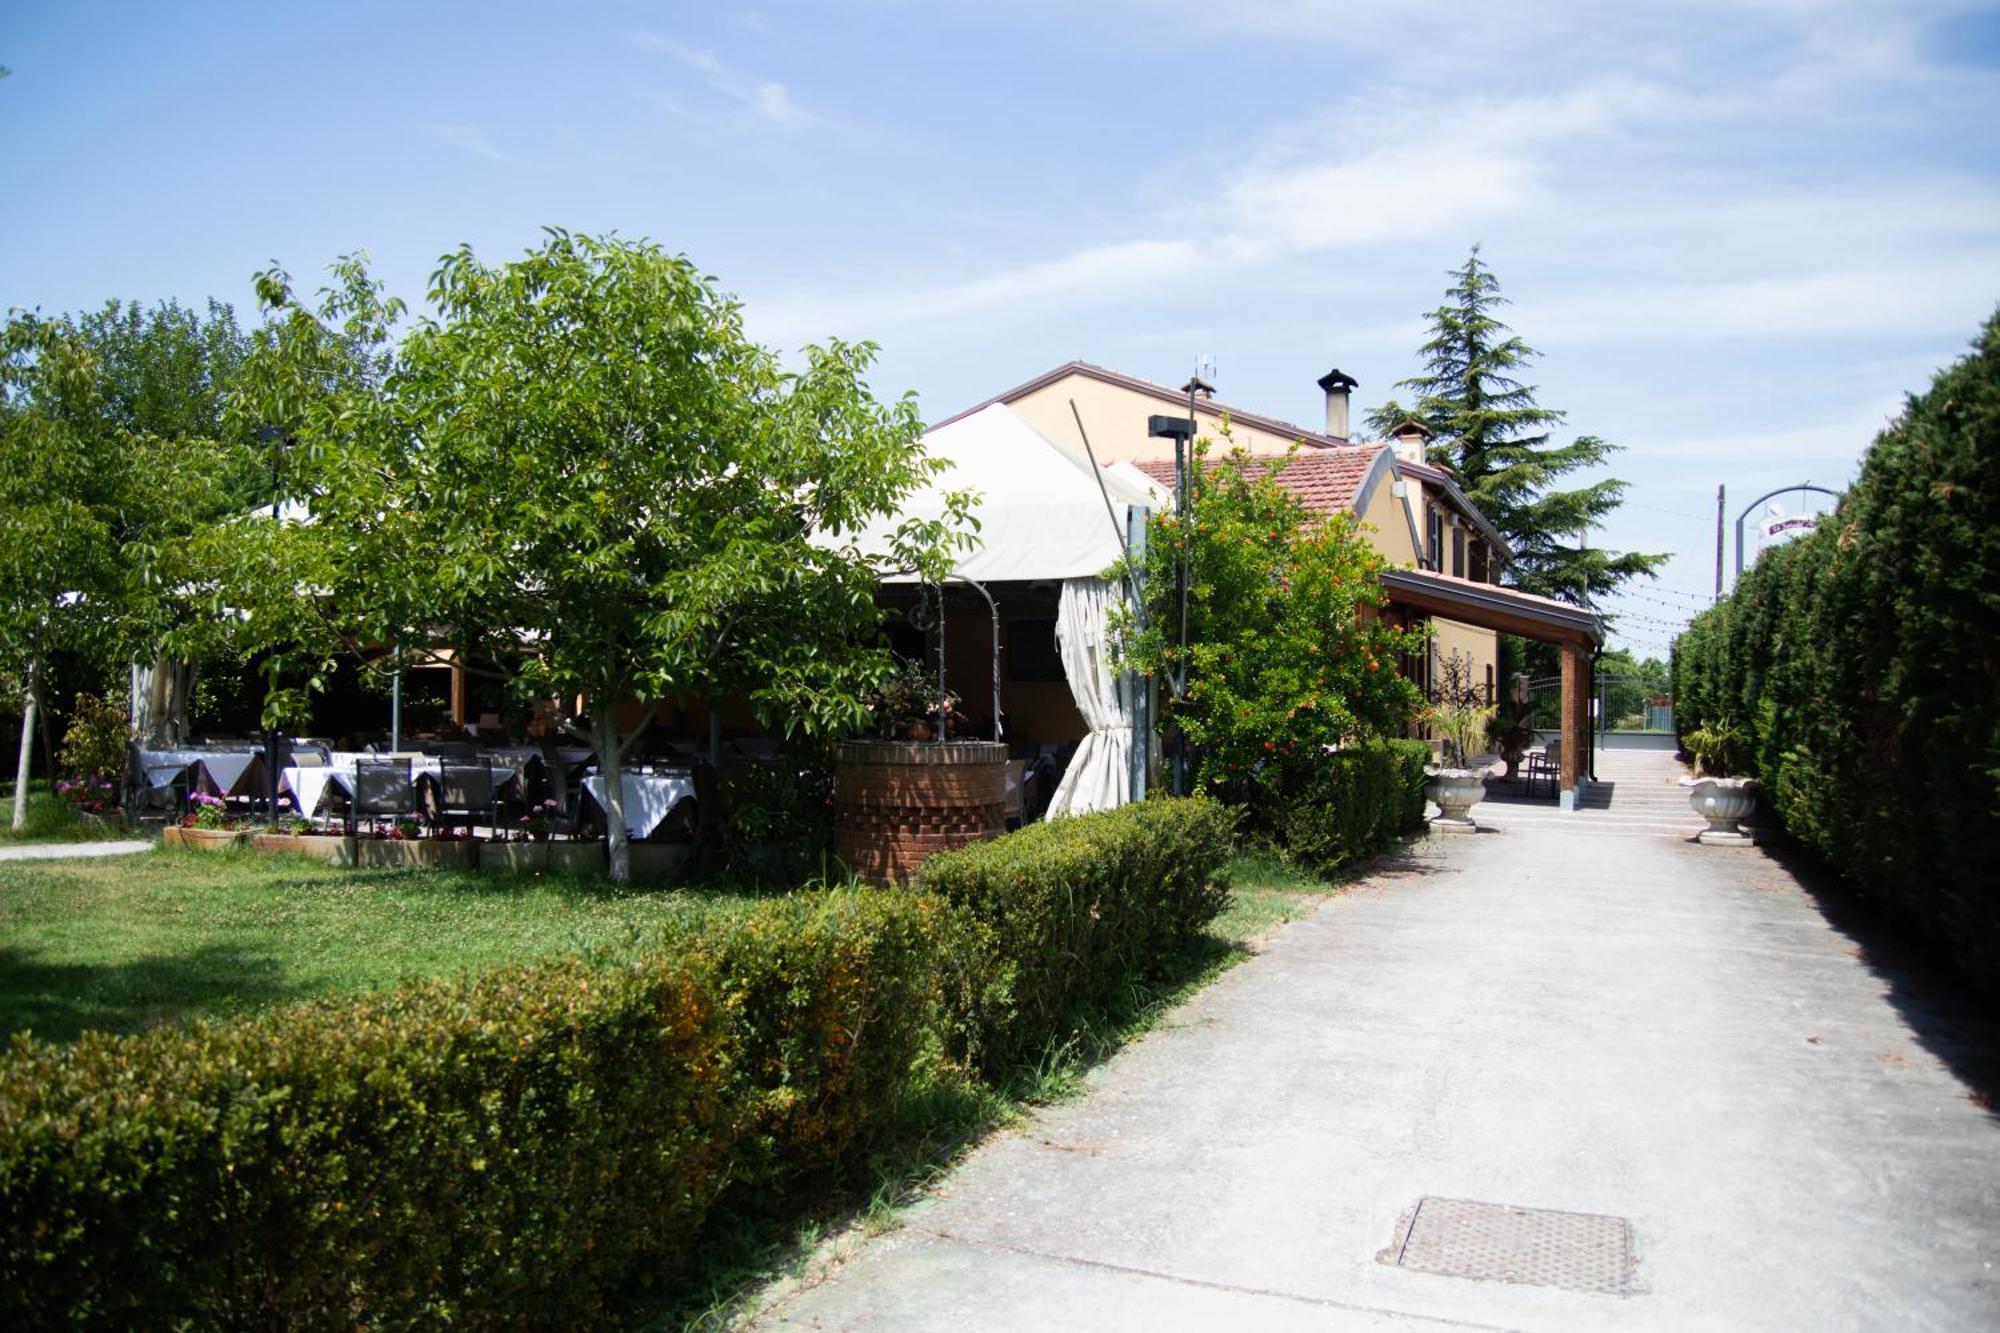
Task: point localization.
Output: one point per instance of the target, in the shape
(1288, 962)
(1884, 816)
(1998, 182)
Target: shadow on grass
(58, 1001)
(1942, 1009)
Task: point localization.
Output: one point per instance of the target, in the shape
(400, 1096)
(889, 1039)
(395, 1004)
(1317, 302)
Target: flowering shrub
(1287, 653)
(540, 820)
(88, 795)
(205, 811)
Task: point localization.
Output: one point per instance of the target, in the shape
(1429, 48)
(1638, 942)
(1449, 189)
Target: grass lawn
(127, 943)
(52, 819)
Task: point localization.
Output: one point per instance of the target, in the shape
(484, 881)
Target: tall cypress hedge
(1862, 663)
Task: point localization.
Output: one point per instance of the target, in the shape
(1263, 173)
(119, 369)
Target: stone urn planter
(204, 839)
(896, 802)
(1724, 803)
(1456, 791)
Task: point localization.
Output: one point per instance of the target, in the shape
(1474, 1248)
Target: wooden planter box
(433, 852)
(896, 802)
(203, 839)
(327, 849)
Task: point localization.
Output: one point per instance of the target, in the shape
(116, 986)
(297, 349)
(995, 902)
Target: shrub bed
(520, 1147)
(1063, 914)
(1852, 670)
(1354, 802)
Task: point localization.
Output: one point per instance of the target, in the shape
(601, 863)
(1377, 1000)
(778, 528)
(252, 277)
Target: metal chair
(382, 787)
(466, 791)
(1545, 763)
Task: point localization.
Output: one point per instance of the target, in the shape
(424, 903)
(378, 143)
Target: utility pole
(1718, 542)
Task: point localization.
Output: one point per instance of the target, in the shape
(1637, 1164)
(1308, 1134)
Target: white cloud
(767, 98)
(1865, 297)
(465, 138)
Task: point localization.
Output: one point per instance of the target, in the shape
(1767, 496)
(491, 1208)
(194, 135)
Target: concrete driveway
(1695, 1102)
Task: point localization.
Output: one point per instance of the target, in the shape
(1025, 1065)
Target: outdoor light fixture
(1180, 430)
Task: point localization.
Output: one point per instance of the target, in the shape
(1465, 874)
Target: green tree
(112, 455)
(1287, 654)
(581, 476)
(1488, 428)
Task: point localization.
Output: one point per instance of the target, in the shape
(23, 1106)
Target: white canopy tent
(1043, 516)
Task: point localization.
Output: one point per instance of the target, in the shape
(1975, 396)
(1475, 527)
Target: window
(1489, 684)
(1434, 539)
(1476, 562)
(1458, 553)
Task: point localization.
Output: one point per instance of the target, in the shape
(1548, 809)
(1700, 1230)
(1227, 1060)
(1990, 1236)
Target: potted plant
(1717, 791)
(1460, 717)
(207, 826)
(912, 706)
(1510, 738)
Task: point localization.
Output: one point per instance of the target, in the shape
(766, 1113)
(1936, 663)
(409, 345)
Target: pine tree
(1487, 427)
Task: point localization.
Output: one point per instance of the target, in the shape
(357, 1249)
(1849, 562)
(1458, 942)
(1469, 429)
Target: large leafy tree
(113, 453)
(1287, 653)
(1488, 428)
(580, 475)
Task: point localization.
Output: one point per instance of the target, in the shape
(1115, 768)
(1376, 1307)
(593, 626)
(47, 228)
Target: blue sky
(1737, 232)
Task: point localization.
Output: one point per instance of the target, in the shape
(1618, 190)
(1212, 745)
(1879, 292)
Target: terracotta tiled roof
(1324, 479)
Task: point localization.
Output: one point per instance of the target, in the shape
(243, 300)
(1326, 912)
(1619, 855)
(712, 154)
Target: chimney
(1410, 440)
(1338, 387)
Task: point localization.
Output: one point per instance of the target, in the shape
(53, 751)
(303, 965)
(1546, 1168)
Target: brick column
(1575, 713)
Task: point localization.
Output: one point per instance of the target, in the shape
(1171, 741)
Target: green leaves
(1496, 438)
(1286, 654)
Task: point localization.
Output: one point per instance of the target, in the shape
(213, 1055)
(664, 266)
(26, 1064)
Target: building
(1414, 513)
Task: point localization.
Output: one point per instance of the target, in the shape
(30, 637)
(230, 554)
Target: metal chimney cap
(1334, 379)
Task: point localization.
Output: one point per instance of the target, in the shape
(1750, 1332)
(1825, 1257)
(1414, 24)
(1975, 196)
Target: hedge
(1353, 802)
(1853, 670)
(522, 1146)
(1062, 915)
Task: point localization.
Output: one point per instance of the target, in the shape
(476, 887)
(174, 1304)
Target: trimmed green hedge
(1353, 802)
(524, 1146)
(1062, 915)
(1853, 670)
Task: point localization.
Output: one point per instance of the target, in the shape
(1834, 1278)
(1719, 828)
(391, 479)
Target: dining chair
(382, 787)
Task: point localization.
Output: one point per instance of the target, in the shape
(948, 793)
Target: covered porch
(1576, 630)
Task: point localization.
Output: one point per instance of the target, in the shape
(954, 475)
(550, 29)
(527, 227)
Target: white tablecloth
(228, 770)
(649, 797)
(163, 767)
(308, 785)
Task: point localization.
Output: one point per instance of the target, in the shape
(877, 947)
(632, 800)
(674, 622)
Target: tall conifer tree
(1487, 427)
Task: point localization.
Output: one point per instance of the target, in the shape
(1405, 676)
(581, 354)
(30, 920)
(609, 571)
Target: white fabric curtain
(1100, 776)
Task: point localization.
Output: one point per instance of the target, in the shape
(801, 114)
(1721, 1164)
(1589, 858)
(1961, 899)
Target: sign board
(1789, 523)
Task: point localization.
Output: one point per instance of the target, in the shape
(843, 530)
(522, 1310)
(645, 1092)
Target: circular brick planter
(896, 802)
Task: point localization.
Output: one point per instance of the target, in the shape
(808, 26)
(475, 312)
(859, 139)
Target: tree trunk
(604, 740)
(30, 697)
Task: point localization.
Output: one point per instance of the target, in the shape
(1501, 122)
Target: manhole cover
(1499, 1243)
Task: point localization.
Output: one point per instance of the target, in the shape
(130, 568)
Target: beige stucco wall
(1116, 419)
(1481, 647)
(1385, 523)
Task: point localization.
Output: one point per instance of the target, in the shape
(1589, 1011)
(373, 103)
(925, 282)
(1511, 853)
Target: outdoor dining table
(163, 768)
(308, 785)
(228, 773)
(649, 797)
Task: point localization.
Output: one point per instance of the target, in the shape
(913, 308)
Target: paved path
(1581, 1012)
(62, 851)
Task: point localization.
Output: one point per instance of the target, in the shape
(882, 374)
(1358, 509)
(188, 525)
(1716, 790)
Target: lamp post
(275, 437)
(1180, 430)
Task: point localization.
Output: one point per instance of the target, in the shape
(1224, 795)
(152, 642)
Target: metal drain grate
(1499, 1243)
